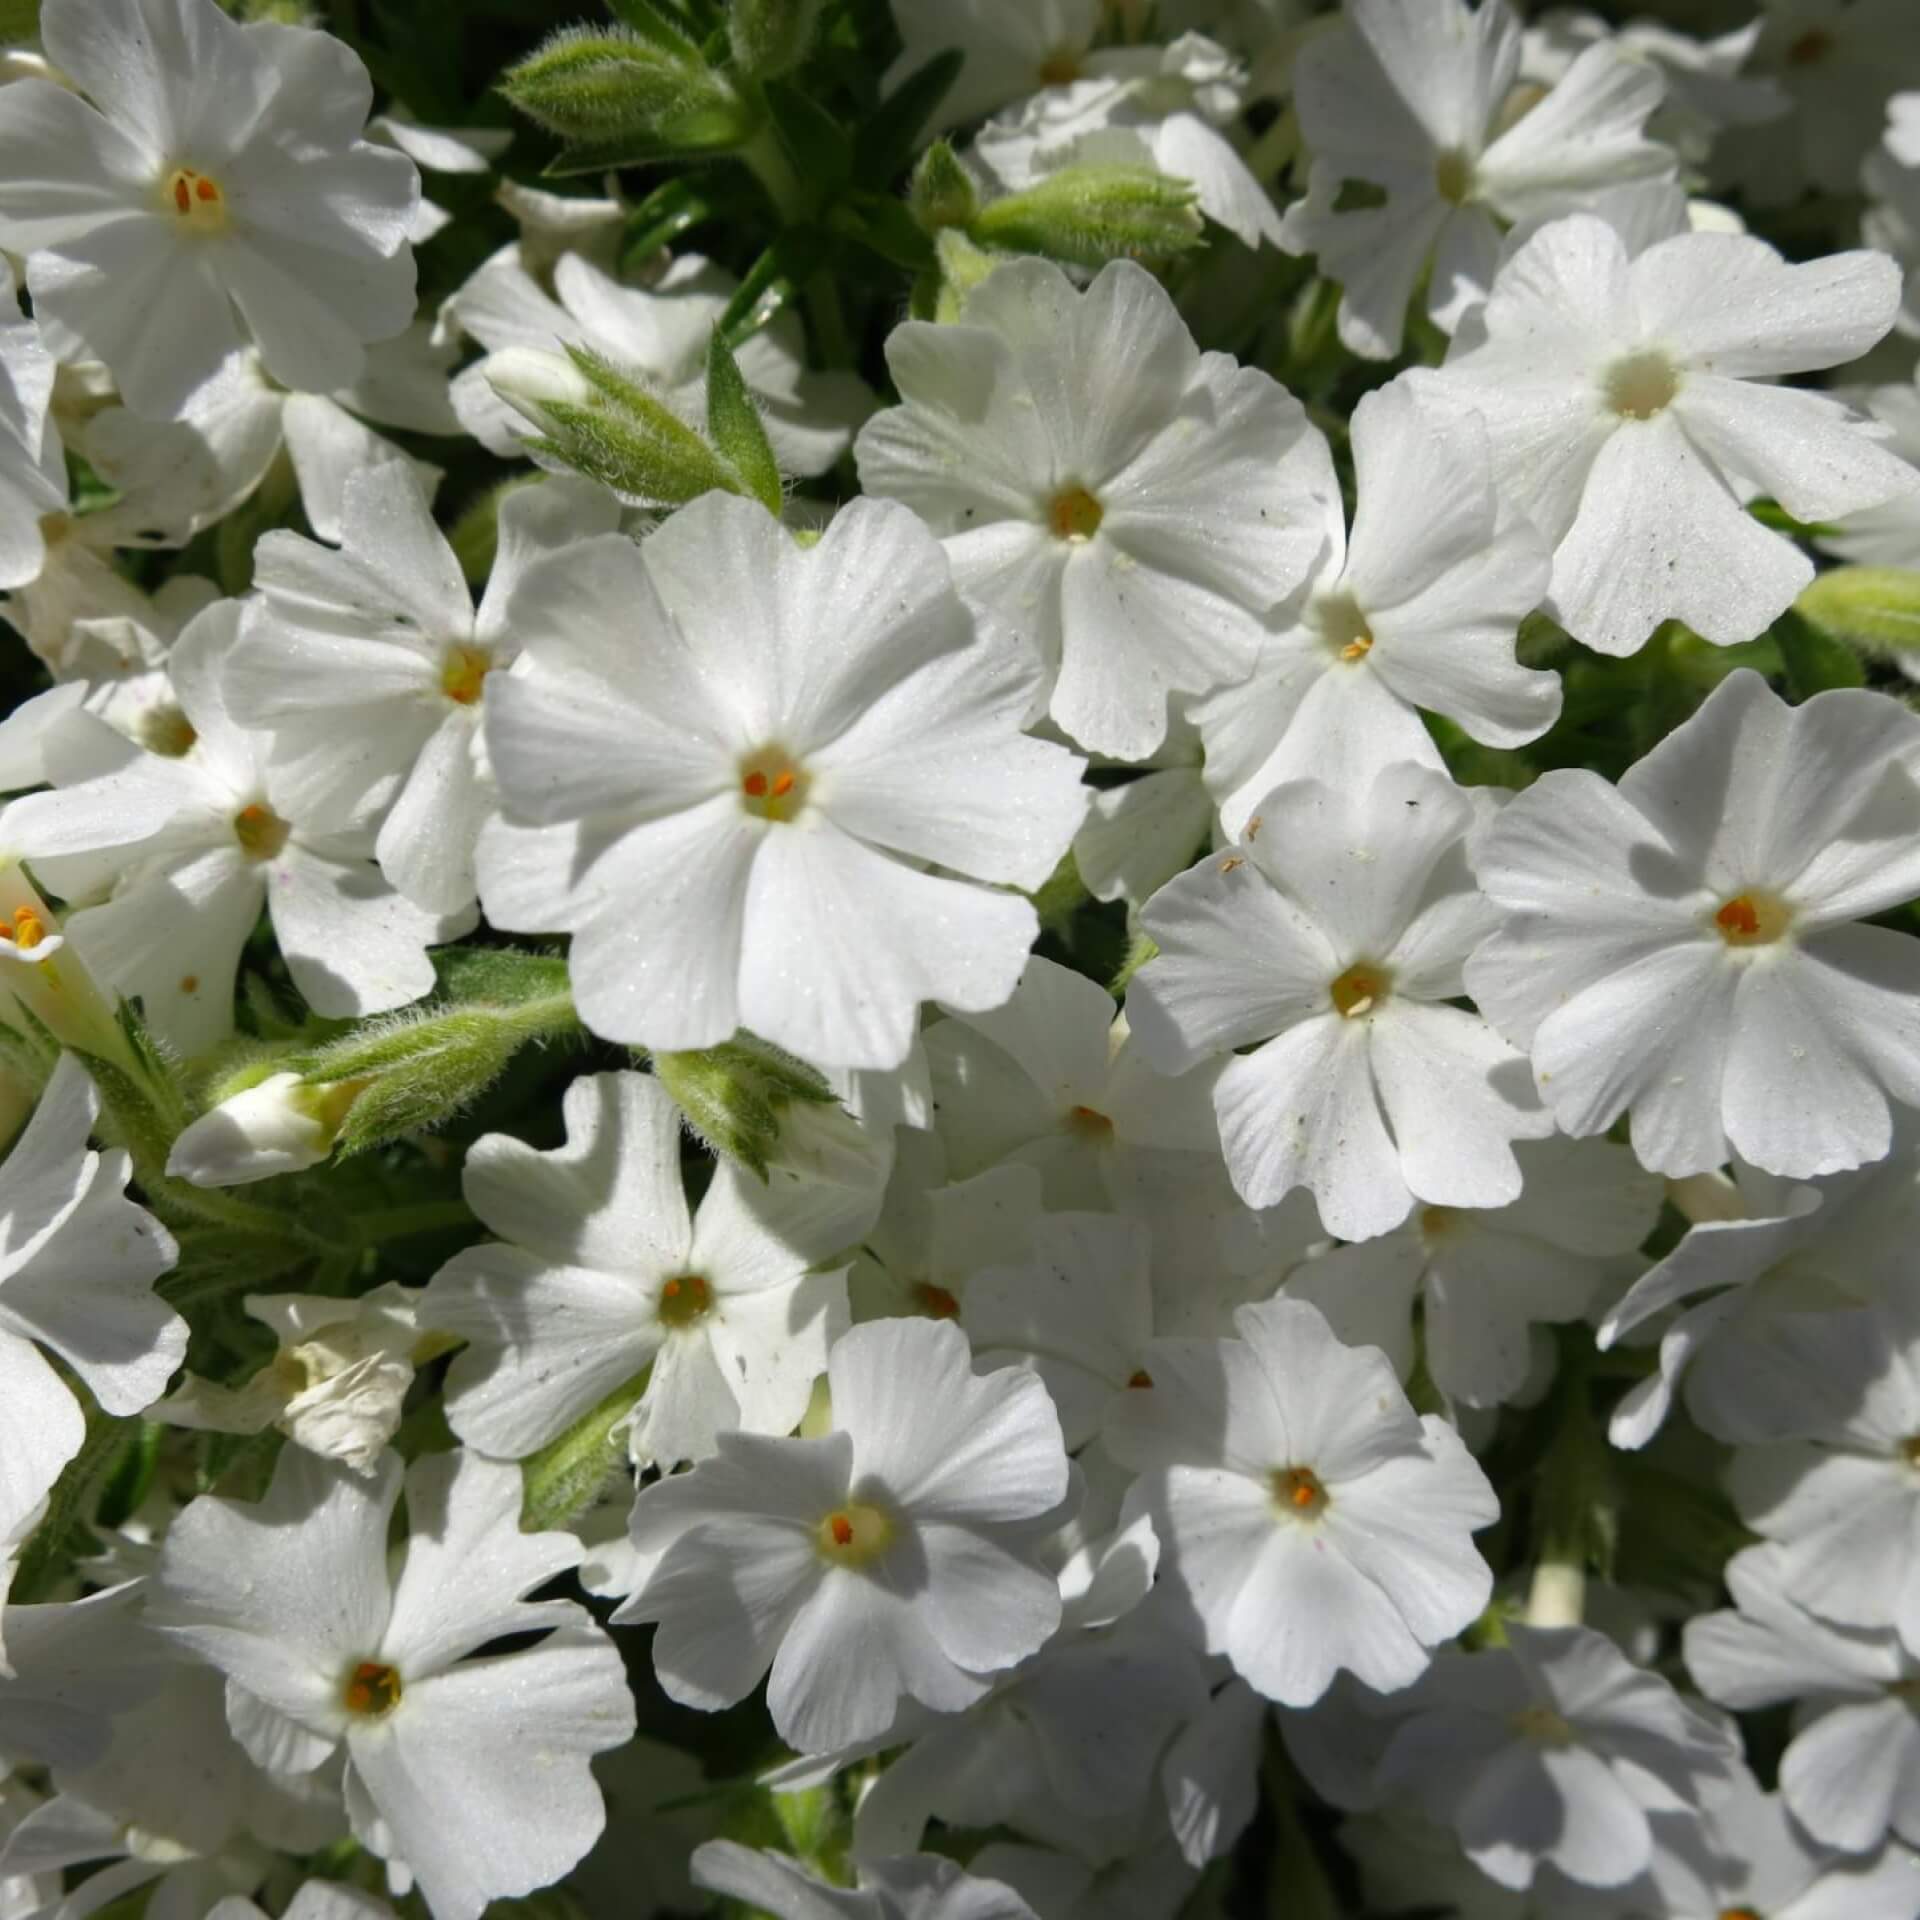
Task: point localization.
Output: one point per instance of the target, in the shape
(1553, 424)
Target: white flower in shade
(72, 1670)
(317, 1900)
(1420, 609)
(1837, 61)
(1707, 87)
(1683, 947)
(1173, 100)
(1555, 1750)
(193, 846)
(932, 1235)
(1334, 934)
(602, 1275)
(727, 764)
(1851, 1774)
(370, 669)
(1415, 99)
(1153, 1879)
(1891, 222)
(215, 189)
(897, 1557)
(1052, 1080)
(1134, 510)
(1311, 1521)
(1744, 1853)
(78, 1260)
(120, 657)
(1140, 834)
(1476, 1282)
(33, 470)
(661, 333)
(919, 1886)
(467, 1769)
(1840, 1501)
(337, 1384)
(453, 150)
(1013, 47)
(1889, 535)
(1077, 1308)
(247, 419)
(1628, 407)
(1756, 1285)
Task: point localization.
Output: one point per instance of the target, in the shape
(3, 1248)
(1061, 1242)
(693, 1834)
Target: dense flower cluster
(972, 972)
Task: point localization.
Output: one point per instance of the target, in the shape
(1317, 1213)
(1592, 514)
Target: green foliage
(733, 1095)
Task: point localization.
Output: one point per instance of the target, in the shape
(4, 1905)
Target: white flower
(33, 472)
(896, 1557)
(193, 846)
(469, 1770)
(919, 1886)
(1887, 535)
(1749, 1284)
(215, 190)
(1852, 1772)
(1012, 47)
(1421, 610)
(1052, 1081)
(370, 669)
(1630, 419)
(1477, 1281)
(662, 333)
(1683, 946)
(121, 658)
(78, 1260)
(1556, 1750)
(735, 761)
(1840, 1500)
(1312, 1521)
(337, 1383)
(603, 1274)
(1140, 834)
(1134, 510)
(74, 1669)
(1891, 176)
(1413, 97)
(1335, 933)
(1173, 100)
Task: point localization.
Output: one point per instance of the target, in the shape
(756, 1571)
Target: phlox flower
(33, 475)
(660, 332)
(919, 1886)
(213, 189)
(1311, 1521)
(895, 1557)
(1012, 47)
(1173, 102)
(1851, 1774)
(78, 1260)
(1334, 934)
(191, 847)
(72, 1669)
(1134, 510)
(726, 764)
(468, 1771)
(1415, 98)
(1475, 1282)
(1683, 948)
(370, 667)
(603, 1274)
(1420, 609)
(1627, 403)
(1555, 1750)
(1140, 834)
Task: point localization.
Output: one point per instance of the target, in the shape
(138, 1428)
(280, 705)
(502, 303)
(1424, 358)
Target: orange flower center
(772, 787)
(372, 1689)
(1752, 919)
(936, 1302)
(28, 929)
(260, 831)
(1359, 990)
(463, 674)
(852, 1535)
(196, 200)
(1074, 514)
(684, 1300)
(1300, 1492)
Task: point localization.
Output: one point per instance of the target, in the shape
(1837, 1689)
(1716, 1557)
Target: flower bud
(279, 1125)
(1876, 609)
(1086, 216)
(529, 380)
(771, 37)
(942, 193)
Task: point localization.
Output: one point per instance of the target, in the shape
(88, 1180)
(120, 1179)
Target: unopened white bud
(279, 1126)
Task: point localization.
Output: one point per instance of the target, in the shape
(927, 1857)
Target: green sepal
(737, 430)
(569, 1474)
(732, 1095)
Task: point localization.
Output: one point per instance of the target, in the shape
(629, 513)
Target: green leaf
(767, 288)
(821, 152)
(19, 21)
(735, 425)
(882, 224)
(660, 219)
(1814, 661)
(652, 23)
(888, 137)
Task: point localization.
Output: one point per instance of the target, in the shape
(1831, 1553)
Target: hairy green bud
(1086, 216)
(771, 37)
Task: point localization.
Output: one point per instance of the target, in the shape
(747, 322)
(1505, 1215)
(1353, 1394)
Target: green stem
(766, 159)
(397, 1223)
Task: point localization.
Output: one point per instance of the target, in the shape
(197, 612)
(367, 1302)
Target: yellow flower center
(1642, 385)
(1811, 48)
(167, 731)
(1061, 68)
(1299, 1492)
(260, 831)
(1752, 919)
(684, 1300)
(371, 1690)
(772, 787)
(463, 674)
(853, 1535)
(1089, 1124)
(1344, 628)
(936, 1302)
(195, 200)
(1359, 990)
(1453, 176)
(1074, 514)
(1542, 1726)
